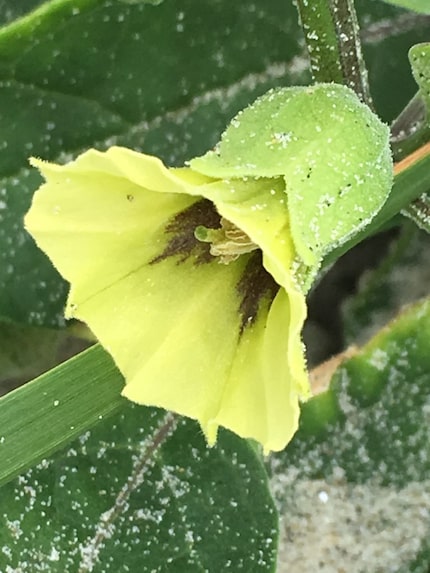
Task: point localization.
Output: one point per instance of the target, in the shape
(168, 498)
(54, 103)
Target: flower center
(228, 242)
(200, 233)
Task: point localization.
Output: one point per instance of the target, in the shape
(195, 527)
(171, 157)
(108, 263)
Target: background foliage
(165, 78)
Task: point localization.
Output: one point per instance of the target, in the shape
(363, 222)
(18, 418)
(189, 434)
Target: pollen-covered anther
(228, 242)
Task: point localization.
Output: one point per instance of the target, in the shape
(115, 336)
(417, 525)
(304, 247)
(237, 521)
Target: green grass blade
(50, 411)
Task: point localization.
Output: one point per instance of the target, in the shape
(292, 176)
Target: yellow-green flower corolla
(208, 327)
(186, 276)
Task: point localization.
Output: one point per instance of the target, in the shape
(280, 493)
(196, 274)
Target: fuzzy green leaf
(419, 56)
(133, 496)
(332, 151)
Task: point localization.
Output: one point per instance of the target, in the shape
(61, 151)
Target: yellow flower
(186, 281)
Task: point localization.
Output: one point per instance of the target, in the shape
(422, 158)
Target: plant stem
(332, 36)
(321, 40)
(351, 55)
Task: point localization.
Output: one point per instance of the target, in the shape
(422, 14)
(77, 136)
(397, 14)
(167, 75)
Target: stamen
(228, 242)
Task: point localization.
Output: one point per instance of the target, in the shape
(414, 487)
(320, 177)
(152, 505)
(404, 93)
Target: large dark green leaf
(133, 496)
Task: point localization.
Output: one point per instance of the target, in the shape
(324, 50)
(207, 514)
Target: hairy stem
(348, 36)
(333, 39)
(321, 39)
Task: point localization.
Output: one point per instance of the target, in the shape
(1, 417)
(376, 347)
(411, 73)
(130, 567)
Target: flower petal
(97, 224)
(258, 207)
(261, 397)
(171, 320)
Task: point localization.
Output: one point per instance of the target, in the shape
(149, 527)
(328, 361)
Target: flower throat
(227, 242)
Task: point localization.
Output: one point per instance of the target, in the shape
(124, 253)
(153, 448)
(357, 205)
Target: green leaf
(421, 6)
(133, 496)
(364, 468)
(419, 57)
(45, 414)
(328, 147)
(387, 381)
